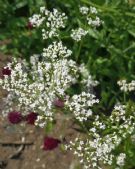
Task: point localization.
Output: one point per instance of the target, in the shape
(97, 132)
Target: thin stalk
(124, 97)
(79, 50)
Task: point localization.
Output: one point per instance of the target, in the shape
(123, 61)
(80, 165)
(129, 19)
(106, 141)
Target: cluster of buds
(81, 105)
(77, 34)
(125, 86)
(91, 16)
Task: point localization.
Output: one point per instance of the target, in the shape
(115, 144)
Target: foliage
(14, 27)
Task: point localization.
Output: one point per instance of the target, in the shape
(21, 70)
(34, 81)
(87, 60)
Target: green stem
(124, 97)
(79, 50)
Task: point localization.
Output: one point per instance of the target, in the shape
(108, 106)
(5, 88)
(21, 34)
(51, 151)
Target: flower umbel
(50, 22)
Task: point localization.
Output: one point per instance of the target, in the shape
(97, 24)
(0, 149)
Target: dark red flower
(59, 103)
(31, 118)
(29, 25)
(15, 117)
(51, 143)
(6, 71)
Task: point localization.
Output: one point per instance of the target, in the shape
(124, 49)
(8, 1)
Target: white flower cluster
(83, 70)
(9, 104)
(87, 79)
(85, 10)
(91, 14)
(36, 20)
(118, 113)
(94, 153)
(89, 83)
(94, 22)
(56, 51)
(124, 118)
(77, 34)
(34, 59)
(121, 159)
(105, 136)
(81, 105)
(92, 19)
(36, 87)
(125, 86)
(50, 21)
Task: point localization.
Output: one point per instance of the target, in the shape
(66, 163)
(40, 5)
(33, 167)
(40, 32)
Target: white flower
(93, 20)
(93, 10)
(77, 34)
(80, 105)
(84, 10)
(125, 86)
(121, 159)
(36, 20)
(34, 87)
(95, 23)
(56, 51)
(87, 80)
(52, 22)
(99, 147)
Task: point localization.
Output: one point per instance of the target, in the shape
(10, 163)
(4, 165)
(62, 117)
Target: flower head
(77, 34)
(59, 103)
(51, 143)
(121, 159)
(29, 25)
(15, 117)
(31, 118)
(6, 71)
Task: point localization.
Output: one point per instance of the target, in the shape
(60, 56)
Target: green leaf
(20, 4)
(93, 33)
(132, 32)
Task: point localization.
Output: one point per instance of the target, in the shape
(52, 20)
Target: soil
(21, 145)
(31, 156)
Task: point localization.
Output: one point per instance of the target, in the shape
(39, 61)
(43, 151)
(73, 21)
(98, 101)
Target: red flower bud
(6, 71)
(29, 25)
(15, 117)
(59, 103)
(31, 118)
(51, 143)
